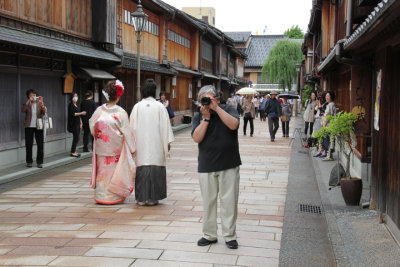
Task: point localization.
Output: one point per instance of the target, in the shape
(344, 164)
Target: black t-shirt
(73, 121)
(89, 106)
(219, 149)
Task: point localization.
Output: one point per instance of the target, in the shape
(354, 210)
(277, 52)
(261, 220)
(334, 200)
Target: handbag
(45, 122)
(284, 118)
(170, 112)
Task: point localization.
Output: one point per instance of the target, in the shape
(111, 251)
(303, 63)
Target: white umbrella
(247, 91)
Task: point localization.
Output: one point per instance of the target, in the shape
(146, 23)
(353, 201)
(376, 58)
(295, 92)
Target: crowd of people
(129, 153)
(267, 107)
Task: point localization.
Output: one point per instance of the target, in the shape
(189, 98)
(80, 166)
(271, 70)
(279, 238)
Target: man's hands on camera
(206, 109)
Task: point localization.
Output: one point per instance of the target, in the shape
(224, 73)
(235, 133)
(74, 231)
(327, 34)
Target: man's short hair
(207, 89)
(31, 91)
(149, 88)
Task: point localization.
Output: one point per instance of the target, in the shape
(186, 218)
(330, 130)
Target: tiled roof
(259, 48)
(369, 22)
(239, 37)
(48, 43)
(145, 65)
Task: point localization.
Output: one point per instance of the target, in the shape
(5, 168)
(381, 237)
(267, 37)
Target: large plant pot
(351, 191)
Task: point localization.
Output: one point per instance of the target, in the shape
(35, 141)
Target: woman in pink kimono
(114, 168)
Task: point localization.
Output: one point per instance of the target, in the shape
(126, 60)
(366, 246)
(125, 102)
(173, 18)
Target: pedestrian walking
(309, 113)
(153, 133)
(273, 111)
(262, 107)
(256, 105)
(249, 115)
(215, 129)
(286, 115)
(34, 109)
(89, 106)
(113, 165)
(74, 123)
(232, 101)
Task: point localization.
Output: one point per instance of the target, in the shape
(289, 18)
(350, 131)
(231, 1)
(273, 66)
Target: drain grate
(310, 209)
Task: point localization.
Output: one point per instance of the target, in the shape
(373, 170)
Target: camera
(205, 101)
(35, 97)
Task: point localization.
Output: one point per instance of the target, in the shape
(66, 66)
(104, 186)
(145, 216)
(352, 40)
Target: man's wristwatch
(204, 119)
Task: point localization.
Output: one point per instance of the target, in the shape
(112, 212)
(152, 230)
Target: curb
(330, 217)
(47, 166)
(63, 161)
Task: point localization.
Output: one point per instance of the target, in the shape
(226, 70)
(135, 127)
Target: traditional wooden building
(180, 52)
(356, 51)
(42, 43)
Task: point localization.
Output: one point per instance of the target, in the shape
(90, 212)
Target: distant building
(204, 13)
(257, 48)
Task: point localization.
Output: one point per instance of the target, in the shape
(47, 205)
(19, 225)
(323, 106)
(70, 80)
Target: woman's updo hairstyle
(111, 90)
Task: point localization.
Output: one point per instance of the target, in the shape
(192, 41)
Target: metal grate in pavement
(305, 208)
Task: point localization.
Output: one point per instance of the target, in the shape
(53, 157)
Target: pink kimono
(114, 169)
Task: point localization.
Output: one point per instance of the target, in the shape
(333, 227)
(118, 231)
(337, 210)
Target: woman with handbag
(113, 164)
(249, 112)
(309, 113)
(166, 104)
(286, 115)
(74, 123)
(34, 109)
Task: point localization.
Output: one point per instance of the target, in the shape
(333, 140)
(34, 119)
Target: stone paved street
(51, 219)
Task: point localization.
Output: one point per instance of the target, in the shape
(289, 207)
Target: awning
(223, 78)
(185, 70)
(98, 74)
(145, 65)
(39, 41)
(208, 75)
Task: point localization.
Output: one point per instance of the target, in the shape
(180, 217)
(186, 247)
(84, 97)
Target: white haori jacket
(150, 123)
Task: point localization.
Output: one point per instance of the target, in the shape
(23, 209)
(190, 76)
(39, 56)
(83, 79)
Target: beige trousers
(226, 184)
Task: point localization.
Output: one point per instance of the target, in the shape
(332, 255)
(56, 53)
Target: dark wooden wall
(72, 16)
(385, 142)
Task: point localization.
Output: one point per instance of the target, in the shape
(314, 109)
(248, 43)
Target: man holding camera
(34, 109)
(215, 129)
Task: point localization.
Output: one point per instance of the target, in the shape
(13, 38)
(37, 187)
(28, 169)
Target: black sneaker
(29, 165)
(40, 165)
(205, 242)
(233, 244)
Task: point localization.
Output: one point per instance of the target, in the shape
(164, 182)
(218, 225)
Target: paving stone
(164, 263)
(257, 261)
(25, 260)
(35, 241)
(49, 250)
(102, 242)
(91, 261)
(168, 245)
(130, 253)
(198, 257)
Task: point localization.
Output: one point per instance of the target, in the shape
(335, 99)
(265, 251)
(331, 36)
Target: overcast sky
(254, 15)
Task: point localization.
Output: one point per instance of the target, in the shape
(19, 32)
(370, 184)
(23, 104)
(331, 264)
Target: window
(149, 27)
(206, 51)
(179, 39)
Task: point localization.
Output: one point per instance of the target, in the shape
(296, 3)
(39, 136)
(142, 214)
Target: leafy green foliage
(341, 127)
(280, 67)
(294, 32)
(306, 93)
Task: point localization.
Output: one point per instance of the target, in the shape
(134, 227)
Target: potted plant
(341, 127)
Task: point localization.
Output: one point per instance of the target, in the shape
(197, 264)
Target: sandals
(327, 159)
(75, 155)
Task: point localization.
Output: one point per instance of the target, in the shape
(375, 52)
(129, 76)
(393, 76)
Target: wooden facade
(362, 66)
(46, 41)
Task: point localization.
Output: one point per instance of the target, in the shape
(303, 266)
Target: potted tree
(341, 127)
